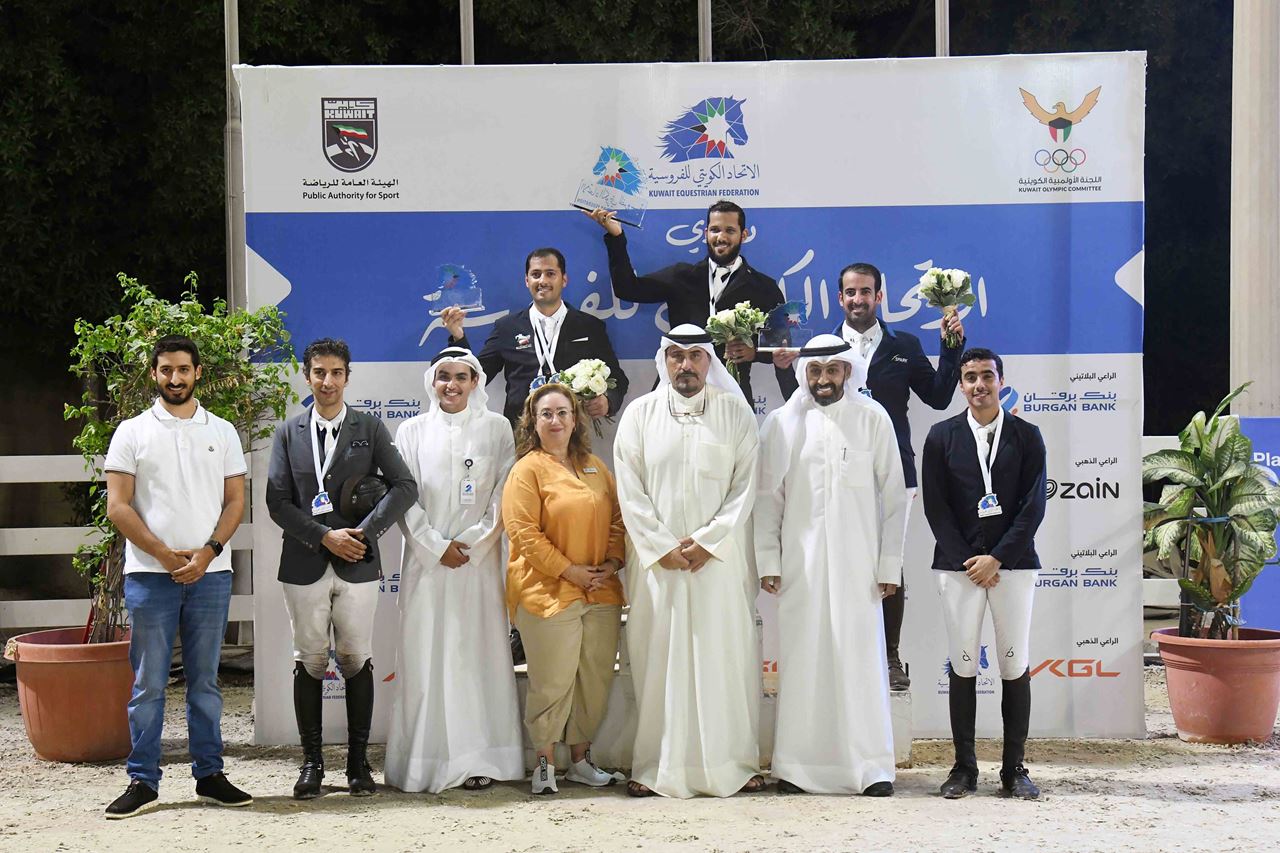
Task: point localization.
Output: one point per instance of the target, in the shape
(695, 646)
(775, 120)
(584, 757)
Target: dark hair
(527, 439)
(546, 252)
(982, 354)
(861, 269)
(723, 206)
(326, 346)
(175, 343)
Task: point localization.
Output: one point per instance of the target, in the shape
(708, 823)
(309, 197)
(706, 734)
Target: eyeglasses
(547, 416)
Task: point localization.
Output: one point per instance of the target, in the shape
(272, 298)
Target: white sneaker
(586, 773)
(544, 778)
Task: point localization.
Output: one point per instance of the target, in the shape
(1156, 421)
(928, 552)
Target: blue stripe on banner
(1048, 270)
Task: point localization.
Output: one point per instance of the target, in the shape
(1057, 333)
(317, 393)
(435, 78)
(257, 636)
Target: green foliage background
(113, 113)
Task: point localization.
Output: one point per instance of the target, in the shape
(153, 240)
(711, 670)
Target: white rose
(598, 385)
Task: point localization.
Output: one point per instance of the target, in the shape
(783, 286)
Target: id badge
(467, 491)
(321, 505)
(989, 506)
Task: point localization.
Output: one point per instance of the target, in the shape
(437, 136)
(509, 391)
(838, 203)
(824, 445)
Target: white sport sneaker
(544, 778)
(586, 773)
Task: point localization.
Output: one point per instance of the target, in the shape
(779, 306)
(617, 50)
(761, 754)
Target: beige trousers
(570, 663)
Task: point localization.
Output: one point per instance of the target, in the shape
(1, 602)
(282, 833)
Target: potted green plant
(74, 683)
(1217, 517)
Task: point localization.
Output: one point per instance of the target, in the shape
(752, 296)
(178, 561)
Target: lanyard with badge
(544, 349)
(989, 505)
(322, 504)
(467, 486)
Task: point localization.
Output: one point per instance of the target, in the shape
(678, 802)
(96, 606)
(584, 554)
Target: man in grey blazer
(329, 563)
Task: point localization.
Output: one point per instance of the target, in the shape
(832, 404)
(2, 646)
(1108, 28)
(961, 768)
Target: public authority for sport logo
(349, 129)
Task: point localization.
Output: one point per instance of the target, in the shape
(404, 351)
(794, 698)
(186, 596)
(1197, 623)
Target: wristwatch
(215, 546)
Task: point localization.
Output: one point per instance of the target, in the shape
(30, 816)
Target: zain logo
(1099, 489)
(708, 130)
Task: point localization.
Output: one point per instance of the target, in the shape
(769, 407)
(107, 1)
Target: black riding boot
(894, 607)
(308, 703)
(1015, 709)
(963, 703)
(359, 720)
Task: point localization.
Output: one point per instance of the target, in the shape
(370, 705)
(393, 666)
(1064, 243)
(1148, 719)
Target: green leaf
(1198, 593)
(1233, 458)
(1177, 466)
(1168, 538)
(1191, 438)
(1226, 401)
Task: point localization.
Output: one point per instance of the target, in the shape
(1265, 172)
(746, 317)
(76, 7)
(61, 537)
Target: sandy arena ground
(1157, 794)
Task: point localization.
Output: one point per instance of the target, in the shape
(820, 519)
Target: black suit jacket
(684, 288)
(952, 486)
(898, 367)
(510, 349)
(364, 447)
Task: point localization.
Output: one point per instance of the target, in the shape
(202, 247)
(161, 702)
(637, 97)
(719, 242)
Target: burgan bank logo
(1061, 158)
(708, 130)
(349, 128)
(1009, 399)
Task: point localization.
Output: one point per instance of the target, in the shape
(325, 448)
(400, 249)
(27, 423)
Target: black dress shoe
(1016, 784)
(137, 798)
(217, 790)
(785, 787)
(879, 789)
(960, 783)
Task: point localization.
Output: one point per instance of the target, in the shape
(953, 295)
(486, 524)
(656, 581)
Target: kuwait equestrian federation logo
(350, 132)
(1060, 122)
(707, 130)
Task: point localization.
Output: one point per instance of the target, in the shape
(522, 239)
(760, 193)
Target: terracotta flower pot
(74, 696)
(1222, 691)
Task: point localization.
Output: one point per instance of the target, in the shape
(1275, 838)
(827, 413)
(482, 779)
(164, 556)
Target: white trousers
(964, 604)
(331, 601)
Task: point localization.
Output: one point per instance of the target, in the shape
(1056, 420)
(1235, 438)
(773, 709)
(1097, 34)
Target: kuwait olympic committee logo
(707, 130)
(349, 132)
(1060, 123)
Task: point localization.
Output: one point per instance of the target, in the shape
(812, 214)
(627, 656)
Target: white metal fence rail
(34, 541)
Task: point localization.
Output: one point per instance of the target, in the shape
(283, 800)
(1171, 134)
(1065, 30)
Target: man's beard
(724, 262)
(176, 398)
(826, 401)
(688, 384)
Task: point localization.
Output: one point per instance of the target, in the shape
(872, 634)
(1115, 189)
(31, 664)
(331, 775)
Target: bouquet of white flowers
(589, 378)
(739, 323)
(947, 289)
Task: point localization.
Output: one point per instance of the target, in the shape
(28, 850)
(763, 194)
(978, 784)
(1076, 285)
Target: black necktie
(324, 434)
(991, 437)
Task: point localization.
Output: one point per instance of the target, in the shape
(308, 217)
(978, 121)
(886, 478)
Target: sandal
(477, 783)
(635, 789)
(754, 785)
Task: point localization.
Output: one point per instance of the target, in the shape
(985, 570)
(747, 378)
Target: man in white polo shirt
(175, 491)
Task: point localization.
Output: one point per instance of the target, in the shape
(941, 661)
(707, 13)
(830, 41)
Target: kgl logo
(1074, 668)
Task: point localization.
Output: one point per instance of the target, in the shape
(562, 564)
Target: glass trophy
(785, 328)
(456, 287)
(617, 183)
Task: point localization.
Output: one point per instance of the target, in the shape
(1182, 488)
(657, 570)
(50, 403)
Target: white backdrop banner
(374, 194)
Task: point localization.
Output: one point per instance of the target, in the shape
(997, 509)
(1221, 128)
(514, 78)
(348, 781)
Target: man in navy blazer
(329, 561)
(693, 292)
(897, 366)
(983, 477)
(548, 337)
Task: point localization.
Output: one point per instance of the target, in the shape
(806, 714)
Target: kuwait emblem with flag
(350, 131)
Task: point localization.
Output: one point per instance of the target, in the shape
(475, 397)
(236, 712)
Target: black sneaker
(1016, 784)
(961, 782)
(217, 790)
(137, 798)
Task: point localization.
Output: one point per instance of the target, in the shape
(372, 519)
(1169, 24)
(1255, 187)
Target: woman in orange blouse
(560, 509)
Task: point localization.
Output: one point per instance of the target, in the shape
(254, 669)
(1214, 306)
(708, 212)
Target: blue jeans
(159, 610)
